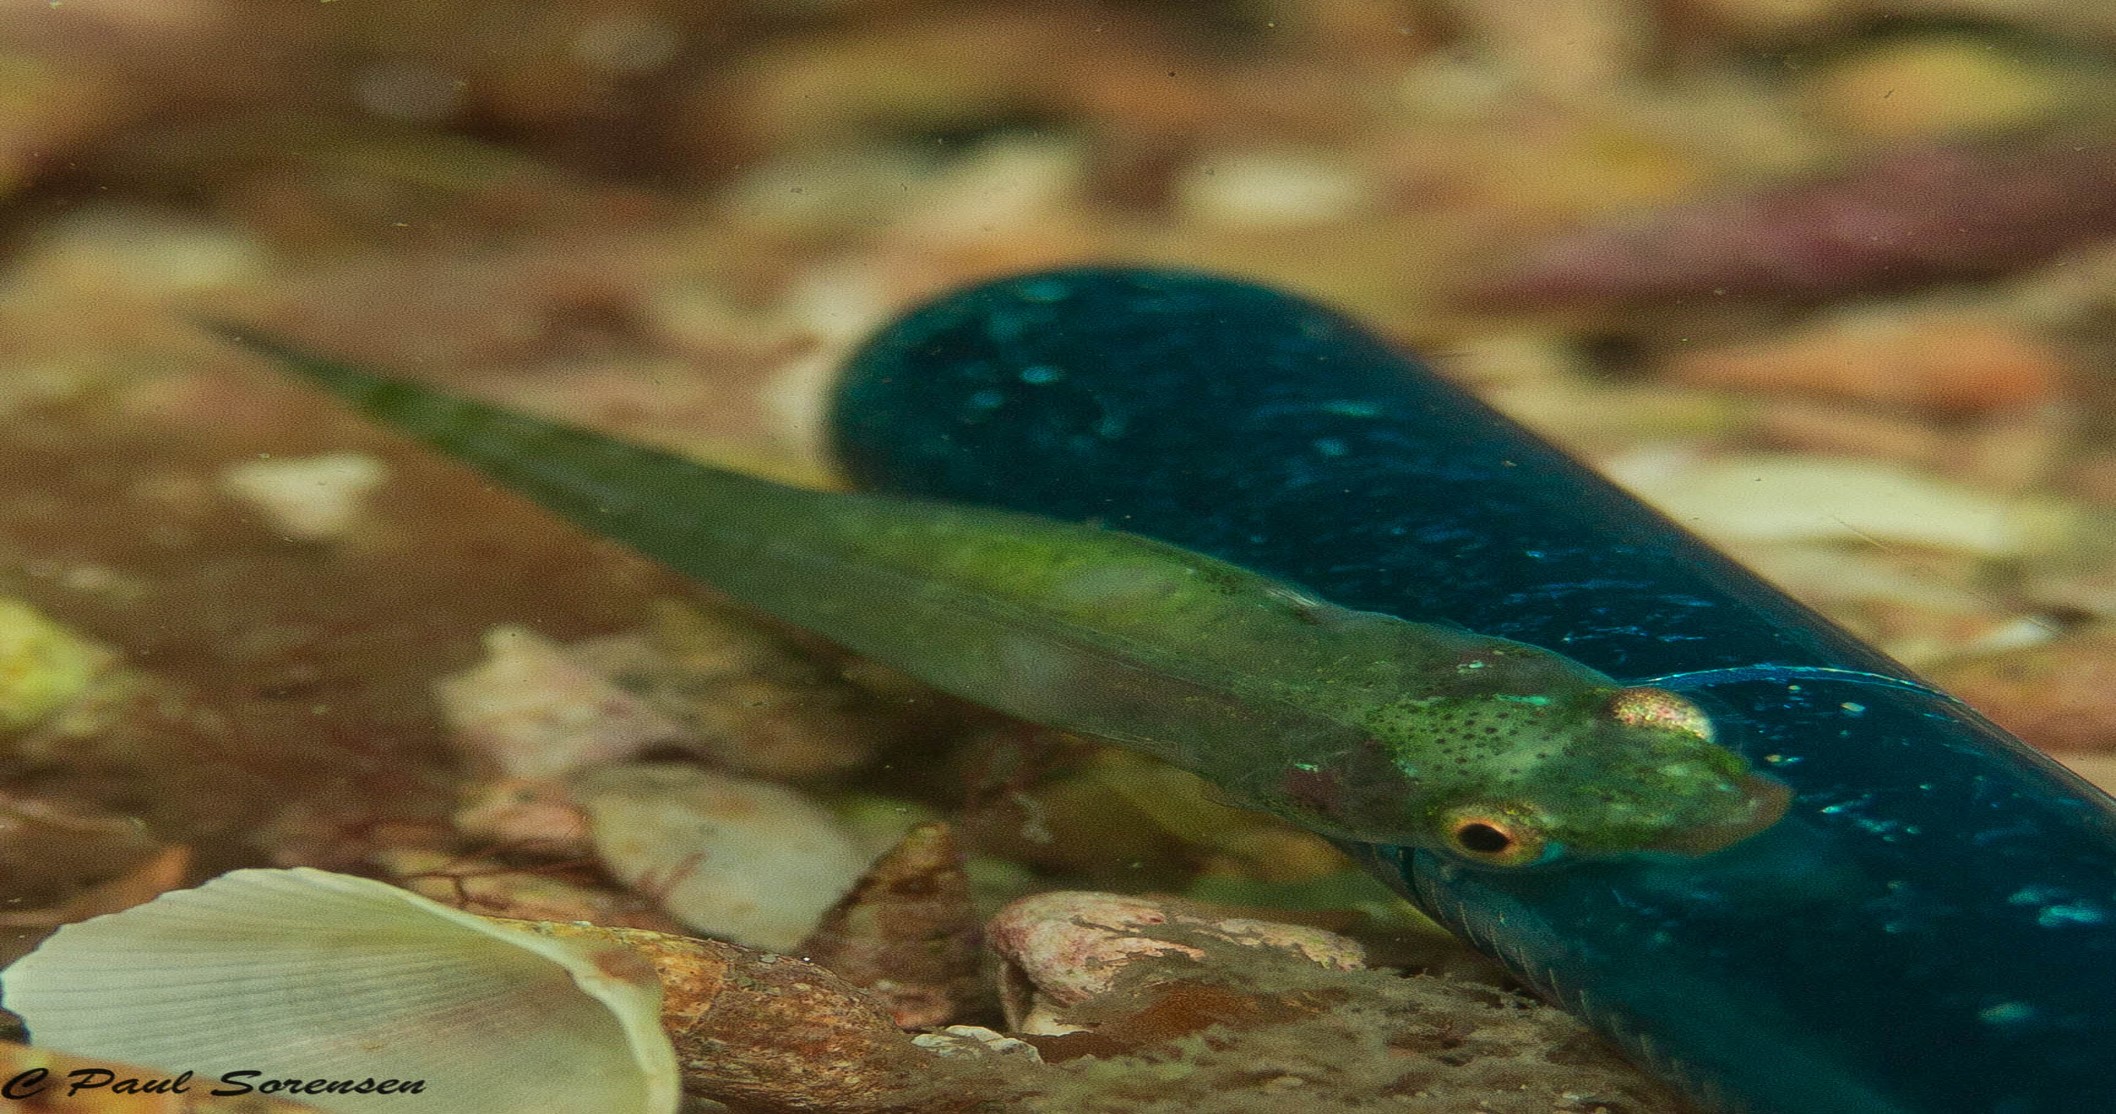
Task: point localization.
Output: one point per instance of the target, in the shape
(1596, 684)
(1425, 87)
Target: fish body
(1358, 725)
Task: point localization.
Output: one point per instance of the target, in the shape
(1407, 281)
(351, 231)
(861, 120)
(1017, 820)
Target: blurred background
(1834, 281)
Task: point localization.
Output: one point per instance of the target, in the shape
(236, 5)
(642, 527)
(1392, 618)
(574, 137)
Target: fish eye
(1494, 838)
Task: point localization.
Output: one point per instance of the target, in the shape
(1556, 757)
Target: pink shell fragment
(1919, 215)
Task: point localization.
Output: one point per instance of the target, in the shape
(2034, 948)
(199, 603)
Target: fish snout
(1765, 801)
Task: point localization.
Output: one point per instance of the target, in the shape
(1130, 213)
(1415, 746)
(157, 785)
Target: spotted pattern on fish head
(1530, 758)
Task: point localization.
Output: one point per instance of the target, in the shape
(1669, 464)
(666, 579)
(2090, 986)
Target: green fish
(1357, 725)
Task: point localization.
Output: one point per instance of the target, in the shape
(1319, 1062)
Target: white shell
(746, 860)
(304, 974)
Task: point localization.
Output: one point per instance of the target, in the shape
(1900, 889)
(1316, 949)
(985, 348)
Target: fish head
(1590, 770)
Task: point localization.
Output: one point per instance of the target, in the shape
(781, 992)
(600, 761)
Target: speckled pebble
(907, 933)
(771, 1034)
(1065, 947)
(963, 1042)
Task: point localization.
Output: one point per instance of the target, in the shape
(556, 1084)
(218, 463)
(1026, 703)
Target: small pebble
(746, 697)
(1813, 426)
(2060, 696)
(907, 932)
(43, 666)
(973, 1042)
(772, 1034)
(1934, 86)
(1273, 189)
(745, 860)
(1063, 948)
(1951, 362)
(310, 499)
(1918, 214)
(526, 813)
(534, 712)
(1734, 499)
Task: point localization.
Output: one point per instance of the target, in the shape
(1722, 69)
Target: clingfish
(1357, 725)
(1930, 929)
